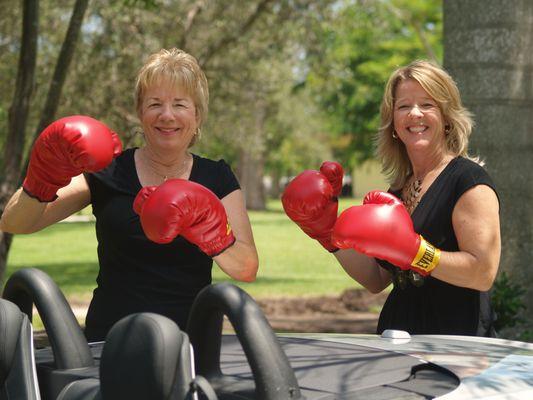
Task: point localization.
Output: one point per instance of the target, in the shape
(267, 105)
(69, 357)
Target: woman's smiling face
(168, 117)
(418, 119)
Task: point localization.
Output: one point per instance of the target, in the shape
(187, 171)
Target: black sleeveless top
(426, 305)
(137, 275)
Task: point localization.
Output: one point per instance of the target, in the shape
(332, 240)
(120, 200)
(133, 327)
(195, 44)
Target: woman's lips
(417, 129)
(168, 131)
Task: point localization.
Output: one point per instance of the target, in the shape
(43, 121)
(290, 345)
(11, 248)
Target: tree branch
(226, 41)
(191, 16)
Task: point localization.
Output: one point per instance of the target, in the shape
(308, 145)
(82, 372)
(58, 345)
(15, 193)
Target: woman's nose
(415, 111)
(167, 112)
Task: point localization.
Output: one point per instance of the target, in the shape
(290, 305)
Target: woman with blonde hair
(435, 234)
(443, 90)
(163, 214)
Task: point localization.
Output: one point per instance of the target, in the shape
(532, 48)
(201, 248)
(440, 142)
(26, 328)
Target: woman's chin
(420, 145)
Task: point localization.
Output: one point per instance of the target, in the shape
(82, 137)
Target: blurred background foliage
(293, 82)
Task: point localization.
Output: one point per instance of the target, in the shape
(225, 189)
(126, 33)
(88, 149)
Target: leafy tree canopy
(361, 46)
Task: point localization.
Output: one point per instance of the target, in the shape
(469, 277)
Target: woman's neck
(166, 165)
(425, 164)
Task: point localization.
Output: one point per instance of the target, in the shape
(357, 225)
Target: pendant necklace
(171, 175)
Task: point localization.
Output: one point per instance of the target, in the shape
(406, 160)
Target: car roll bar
(274, 378)
(30, 286)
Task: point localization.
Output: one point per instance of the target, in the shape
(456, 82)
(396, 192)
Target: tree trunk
(275, 189)
(252, 161)
(61, 68)
(17, 117)
(251, 168)
(19, 109)
(487, 48)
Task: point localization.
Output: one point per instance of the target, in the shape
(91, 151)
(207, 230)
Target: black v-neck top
(427, 305)
(137, 275)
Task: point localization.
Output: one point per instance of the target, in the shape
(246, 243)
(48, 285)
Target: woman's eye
(152, 105)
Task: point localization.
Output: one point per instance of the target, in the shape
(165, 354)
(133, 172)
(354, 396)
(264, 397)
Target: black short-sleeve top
(428, 305)
(136, 274)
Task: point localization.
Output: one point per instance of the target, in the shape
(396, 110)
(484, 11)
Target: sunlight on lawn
(291, 264)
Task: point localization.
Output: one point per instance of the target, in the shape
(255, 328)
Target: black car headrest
(10, 324)
(145, 356)
(141, 356)
(17, 369)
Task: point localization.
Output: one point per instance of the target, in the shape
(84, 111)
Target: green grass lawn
(291, 264)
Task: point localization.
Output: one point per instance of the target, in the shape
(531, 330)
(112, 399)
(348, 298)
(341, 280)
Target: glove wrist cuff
(43, 192)
(217, 246)
(427, 258)
(326, 243)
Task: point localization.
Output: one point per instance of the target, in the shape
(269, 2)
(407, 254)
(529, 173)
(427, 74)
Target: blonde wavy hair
(175, 67)
(457, 119)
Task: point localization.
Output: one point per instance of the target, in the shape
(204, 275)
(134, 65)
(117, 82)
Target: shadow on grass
(285, 286)
(268, 280)
(70, 277)
(79, 275)
(66, 226)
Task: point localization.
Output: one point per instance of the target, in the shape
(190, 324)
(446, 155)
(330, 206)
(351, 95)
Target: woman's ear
(197, 114)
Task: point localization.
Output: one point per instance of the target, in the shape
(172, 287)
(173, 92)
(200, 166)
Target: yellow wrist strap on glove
(427, 258)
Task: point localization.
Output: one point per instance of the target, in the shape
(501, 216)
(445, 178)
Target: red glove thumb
(141, 197)
(379, 197)
(334, 173)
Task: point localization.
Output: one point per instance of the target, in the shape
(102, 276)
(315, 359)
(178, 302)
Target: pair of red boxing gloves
(77, 144)
(381, 227)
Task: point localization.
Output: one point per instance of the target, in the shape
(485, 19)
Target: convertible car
(146, 356)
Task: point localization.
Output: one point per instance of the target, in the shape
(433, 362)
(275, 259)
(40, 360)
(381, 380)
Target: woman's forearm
(22, 213)
(239, 261)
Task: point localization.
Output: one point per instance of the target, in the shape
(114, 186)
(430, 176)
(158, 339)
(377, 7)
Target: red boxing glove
(181, 207)
(310, 200)
(141, 197)
(66, 148)
(383, 228)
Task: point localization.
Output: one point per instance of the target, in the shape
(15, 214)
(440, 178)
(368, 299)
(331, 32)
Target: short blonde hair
(457, 119)
(178, 68)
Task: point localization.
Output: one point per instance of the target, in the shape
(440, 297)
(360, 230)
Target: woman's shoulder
(203, 166)
(470, 168)
(120, 174)
(469, 163)
(209, 162)
(469, 173)
(216, 175)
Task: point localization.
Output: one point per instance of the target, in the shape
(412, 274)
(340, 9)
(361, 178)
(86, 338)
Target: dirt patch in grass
(354, 311)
